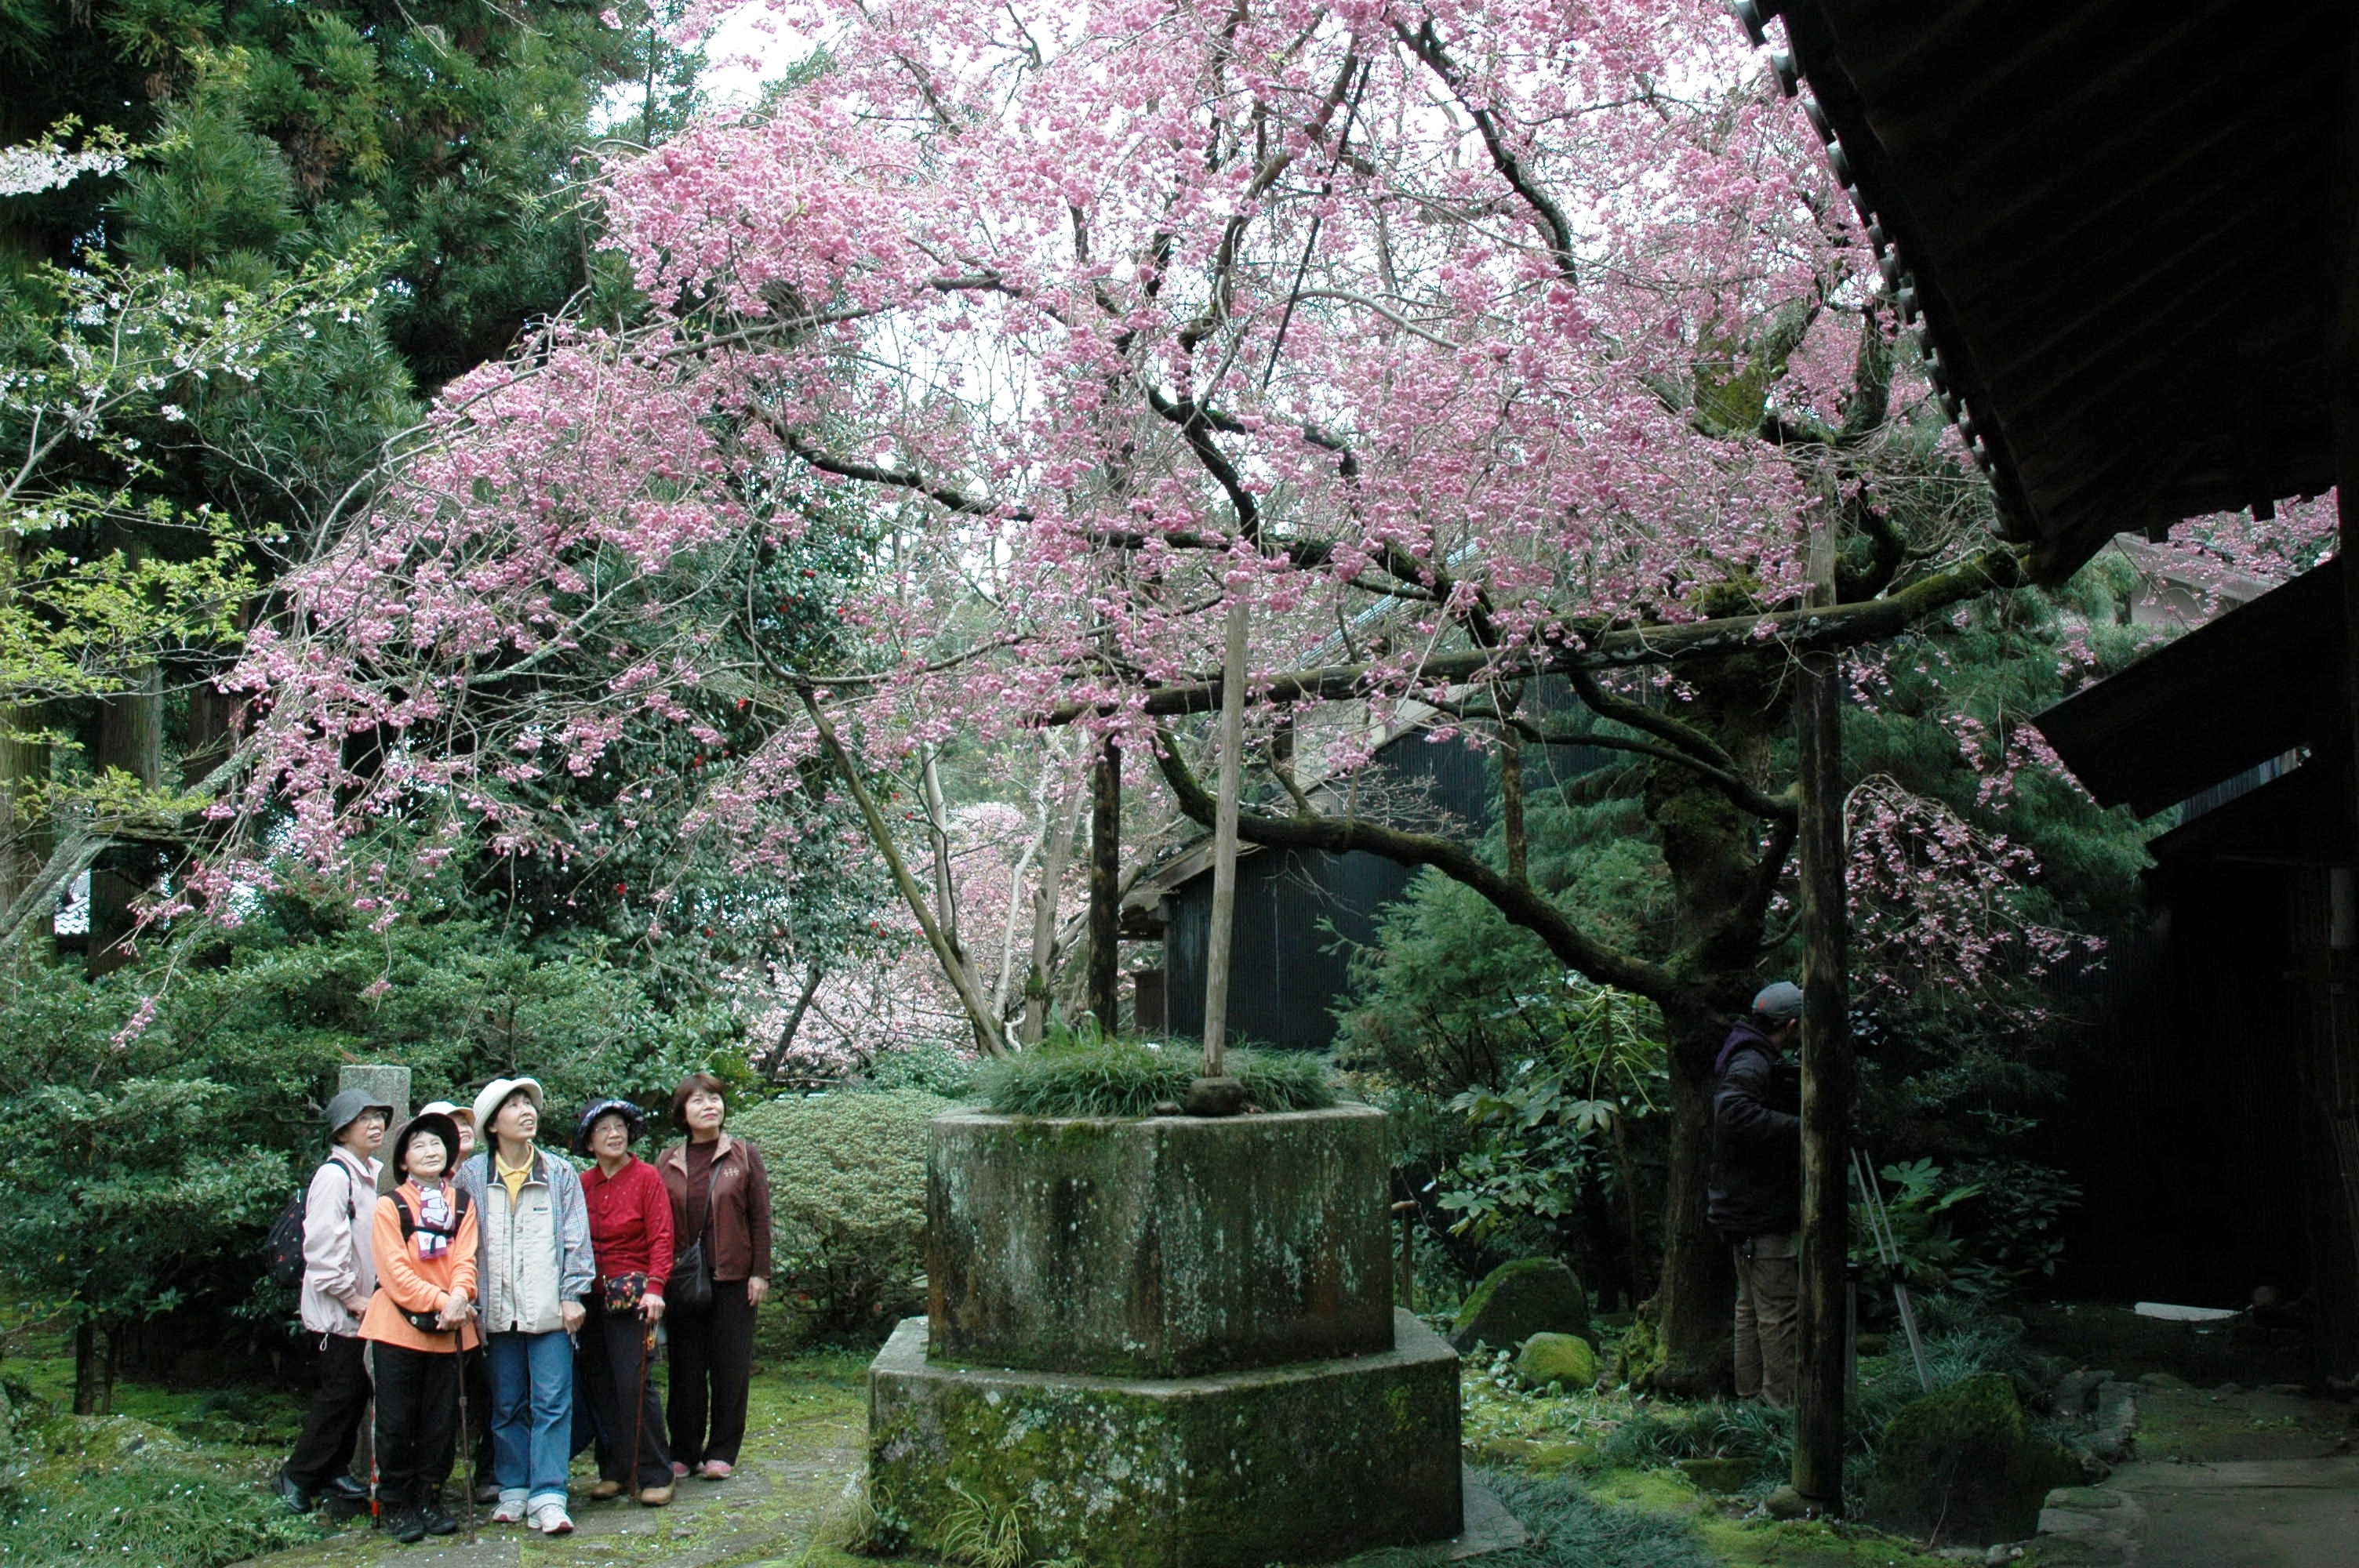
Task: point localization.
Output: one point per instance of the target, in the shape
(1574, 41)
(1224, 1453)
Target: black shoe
(487, 1491)
(407, 1527)
(437, 1522)
(349, 1489)
(294, 1496)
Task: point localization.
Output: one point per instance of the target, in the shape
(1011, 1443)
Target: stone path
(2253, 1513)
(2232, 1478)
(773, 1511)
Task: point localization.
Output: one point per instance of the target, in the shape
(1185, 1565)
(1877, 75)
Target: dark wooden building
(2129, 234)
(1301, 913)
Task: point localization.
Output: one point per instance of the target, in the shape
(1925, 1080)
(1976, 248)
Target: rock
(2228, 1390)
(1999, 1556)
(1787, 1503)
(2164, 1380)
(1562, 1358)
(1518, 1300)
(2117, 1416)
(2076, 1392)
(2294, 1389)
(1965, 1462)
(1719, 1477)
(1215, 1097)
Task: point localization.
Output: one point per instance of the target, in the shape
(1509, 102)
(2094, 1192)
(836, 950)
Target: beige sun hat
(495, 1095)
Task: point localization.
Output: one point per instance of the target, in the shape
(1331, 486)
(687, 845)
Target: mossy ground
(1616, 1452)
(1589, 1473)
(177, 1477)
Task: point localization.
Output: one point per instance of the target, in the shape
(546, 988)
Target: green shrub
(1084, 1076)
(847, 1201)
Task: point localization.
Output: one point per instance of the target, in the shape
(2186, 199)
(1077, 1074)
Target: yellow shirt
(513, 1177)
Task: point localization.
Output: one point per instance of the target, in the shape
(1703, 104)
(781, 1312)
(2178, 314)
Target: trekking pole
(1887, 1252)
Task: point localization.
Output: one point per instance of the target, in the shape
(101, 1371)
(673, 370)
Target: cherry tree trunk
(1710, 848)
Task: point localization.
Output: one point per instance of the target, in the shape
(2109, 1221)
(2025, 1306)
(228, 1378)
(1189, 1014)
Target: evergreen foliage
(146, 1164)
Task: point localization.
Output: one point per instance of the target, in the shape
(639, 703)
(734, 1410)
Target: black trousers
(417, 1424)
(611, 1368)
(340, 1396)
(711, 1365)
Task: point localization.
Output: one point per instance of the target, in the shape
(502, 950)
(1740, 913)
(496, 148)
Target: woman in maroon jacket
(720, 1197)
(630, 1238)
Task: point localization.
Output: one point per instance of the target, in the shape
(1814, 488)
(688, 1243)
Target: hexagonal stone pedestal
(1295, 1462)
(1160, 1247)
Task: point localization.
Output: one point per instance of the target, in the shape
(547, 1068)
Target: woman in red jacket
(630, 1236)
(720, 1197)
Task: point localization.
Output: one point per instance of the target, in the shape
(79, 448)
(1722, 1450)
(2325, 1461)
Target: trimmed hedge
(847, 1200)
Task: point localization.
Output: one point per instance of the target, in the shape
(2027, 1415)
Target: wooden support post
(1826, 1067)
(1225, 836)
(1106, 887)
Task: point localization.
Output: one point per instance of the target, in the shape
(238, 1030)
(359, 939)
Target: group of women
(500, 1276)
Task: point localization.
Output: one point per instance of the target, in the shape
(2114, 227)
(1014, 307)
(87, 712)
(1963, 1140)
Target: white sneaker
(550, 1518)
(510, 1511)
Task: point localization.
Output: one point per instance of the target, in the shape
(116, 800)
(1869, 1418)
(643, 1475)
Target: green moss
(1965, 1461)
(1565, 1359)
(1519, 1299)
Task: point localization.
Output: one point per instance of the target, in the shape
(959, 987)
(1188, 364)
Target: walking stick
(459, 1361)
(639, 1403)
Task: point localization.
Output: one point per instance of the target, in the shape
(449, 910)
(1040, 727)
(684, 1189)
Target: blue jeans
(532, 1414)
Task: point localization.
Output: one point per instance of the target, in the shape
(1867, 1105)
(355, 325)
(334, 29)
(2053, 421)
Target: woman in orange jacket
(418, 1322)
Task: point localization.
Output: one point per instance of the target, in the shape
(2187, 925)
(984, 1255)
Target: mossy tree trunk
(1715, 852)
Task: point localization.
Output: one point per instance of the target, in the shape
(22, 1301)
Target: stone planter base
(1300, 1463)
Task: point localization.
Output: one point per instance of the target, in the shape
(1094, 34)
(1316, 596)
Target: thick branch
(1742, 794)
(1796, 630)
(1426, 44)
(1680, 737)
(1340, 835)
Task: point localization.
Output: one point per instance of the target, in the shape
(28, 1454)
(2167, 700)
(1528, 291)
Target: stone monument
(1165, 1342)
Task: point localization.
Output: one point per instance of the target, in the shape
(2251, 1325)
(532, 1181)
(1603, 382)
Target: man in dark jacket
(1756, 1189)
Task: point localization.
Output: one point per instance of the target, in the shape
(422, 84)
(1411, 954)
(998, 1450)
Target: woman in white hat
(533, 1271)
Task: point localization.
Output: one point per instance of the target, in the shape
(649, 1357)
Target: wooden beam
(1105, 886)
(1826, 1066)
(1225, 836)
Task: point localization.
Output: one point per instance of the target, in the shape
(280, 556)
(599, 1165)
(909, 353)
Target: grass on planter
(1084, 1076)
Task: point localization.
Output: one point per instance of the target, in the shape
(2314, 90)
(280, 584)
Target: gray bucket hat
(1778, 1002)
(350, 1106)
